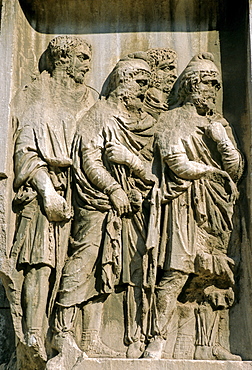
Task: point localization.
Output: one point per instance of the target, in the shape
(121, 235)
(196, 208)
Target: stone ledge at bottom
(144, 364)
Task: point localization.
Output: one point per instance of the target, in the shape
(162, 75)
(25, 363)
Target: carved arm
(186, 169)
(102, 179)
(191, 170)
(231, 157)
(118, 153)
(55, 205)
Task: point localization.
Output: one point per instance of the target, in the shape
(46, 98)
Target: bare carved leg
(166, 300)
(134, 325)
(36, 287)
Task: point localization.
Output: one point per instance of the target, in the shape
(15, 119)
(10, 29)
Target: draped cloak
(46, 122)
(198, 210)
(108, 250)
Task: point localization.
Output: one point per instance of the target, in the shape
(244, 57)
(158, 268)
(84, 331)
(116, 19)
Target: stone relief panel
(45, 118)
(201, 167)
(128, 197)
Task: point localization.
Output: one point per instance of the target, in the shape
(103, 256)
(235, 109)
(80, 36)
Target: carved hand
(217, 132)
(118, 153)
(217, 173)
(56, 207)
(120, 201)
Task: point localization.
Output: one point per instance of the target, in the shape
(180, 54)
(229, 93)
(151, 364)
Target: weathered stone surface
(128, 287)
(113, 364)
(7, 335)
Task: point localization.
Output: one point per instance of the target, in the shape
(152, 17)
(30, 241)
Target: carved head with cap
(199, 83)
(128, 82)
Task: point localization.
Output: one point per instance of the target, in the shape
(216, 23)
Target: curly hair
(155, 56)
(62, 46)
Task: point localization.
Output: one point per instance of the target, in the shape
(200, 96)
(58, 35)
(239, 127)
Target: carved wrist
(111, 188)
(224, 144)
(135, 163)
(42, 183)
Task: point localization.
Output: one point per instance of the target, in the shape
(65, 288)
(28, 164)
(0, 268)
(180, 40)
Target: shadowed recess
(100, 16)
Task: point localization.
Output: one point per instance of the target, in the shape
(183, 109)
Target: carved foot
(35, 343)
(154, 349)
(69, 353)
(221, 353)
(64, 361)
(99, 349)
(214, 353)
(135, 349)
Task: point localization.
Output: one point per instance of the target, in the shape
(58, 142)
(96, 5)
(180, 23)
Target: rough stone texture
(7, 335)
(113, 364)
(115, 30)
(6, 67)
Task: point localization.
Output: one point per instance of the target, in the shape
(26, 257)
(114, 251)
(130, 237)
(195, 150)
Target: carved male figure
(45, 128)
(163, 63)
(113, 183)
(201, 166)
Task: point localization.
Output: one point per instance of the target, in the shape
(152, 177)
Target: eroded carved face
(134, 89)
(162, 82)
(165, 76)
(79, 63)
(204, 96)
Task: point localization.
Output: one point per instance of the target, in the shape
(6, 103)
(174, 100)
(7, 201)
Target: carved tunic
(199, 208)
(121, 241)
(45, 129)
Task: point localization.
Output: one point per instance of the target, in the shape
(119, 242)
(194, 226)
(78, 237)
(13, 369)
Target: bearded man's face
(79, 63)
(204, 96)
(161, 85)
(135, 89)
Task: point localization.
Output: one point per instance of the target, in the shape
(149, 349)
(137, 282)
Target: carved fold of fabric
(31, 247)
(111, 254)
(199, 197)
(150, 259)
(207, 326)
(215, 266)
(62, 234)
(42, 145)
(134, 328)
(26, 157)
(182, 234)
(215, 214)
(134, 233)
(82, 271)
(53, 145)
(86, 195)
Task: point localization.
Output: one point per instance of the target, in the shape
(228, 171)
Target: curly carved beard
(133, 103)
(80, 76)
(205, 103)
